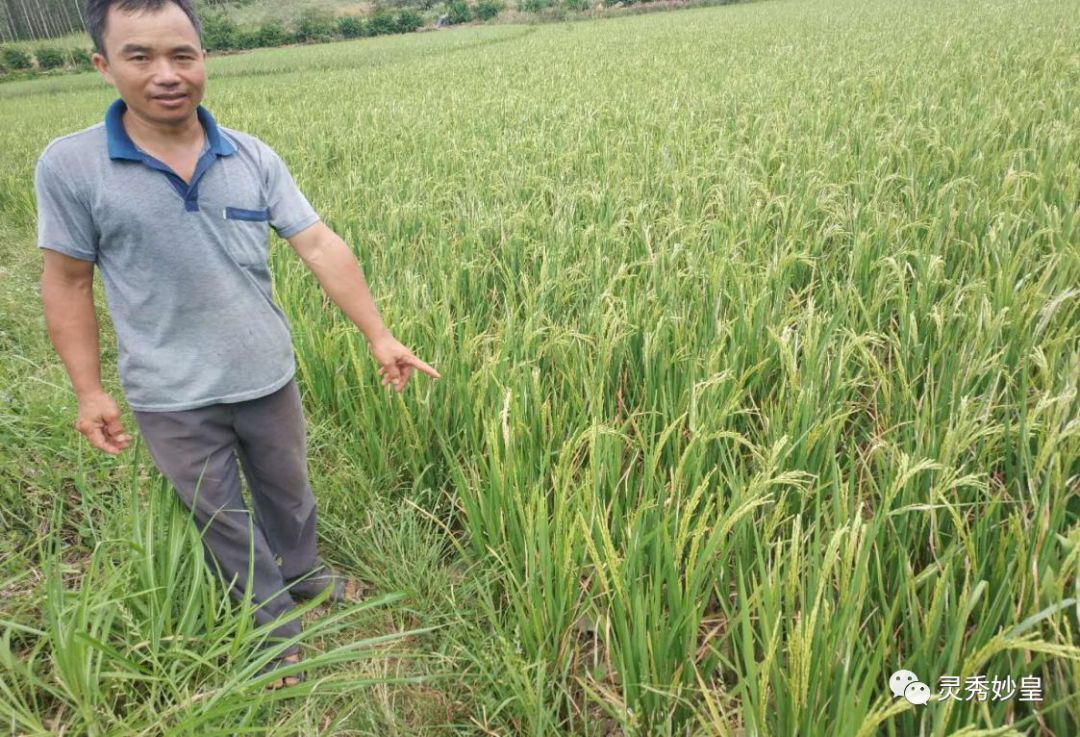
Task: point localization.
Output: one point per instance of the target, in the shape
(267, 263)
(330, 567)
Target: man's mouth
(170, 97)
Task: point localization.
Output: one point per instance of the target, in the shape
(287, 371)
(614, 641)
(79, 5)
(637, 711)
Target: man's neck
(147, 134)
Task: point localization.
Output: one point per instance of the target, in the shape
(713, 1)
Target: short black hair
(98, 10)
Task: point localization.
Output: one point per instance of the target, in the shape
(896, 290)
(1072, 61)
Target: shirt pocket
(247, 234)
(253, 216)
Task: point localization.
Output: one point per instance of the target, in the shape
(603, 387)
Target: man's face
(155, 61)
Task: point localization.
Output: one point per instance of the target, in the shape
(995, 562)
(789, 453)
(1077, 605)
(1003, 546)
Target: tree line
(31, 19)
(23, 20)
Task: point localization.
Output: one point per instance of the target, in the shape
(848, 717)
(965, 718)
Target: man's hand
(396, 362)
(99, 421)
(339, 273)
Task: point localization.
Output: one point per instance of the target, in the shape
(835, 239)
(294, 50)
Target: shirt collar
(122, 147)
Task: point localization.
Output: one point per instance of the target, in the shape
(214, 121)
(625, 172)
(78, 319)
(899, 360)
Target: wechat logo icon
(907, 684)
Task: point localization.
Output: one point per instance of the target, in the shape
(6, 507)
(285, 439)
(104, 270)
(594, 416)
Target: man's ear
(102, 65)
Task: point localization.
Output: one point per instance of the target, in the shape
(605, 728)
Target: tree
(36, 19)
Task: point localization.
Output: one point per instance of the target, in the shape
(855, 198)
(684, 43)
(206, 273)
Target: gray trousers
(197, 451)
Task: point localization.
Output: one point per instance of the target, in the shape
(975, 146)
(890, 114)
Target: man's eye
(139, 57)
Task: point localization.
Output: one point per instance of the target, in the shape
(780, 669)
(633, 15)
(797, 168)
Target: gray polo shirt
(184, 264)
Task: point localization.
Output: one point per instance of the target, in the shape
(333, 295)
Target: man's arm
(333, 264)
(67, 292)
(329, 258)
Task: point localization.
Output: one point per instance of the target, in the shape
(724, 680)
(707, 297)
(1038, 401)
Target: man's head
(151, 51)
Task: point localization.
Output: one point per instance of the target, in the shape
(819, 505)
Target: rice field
(759, 329)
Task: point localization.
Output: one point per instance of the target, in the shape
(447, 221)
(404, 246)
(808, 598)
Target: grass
(758, 329)
(267, 11)
(70, 41)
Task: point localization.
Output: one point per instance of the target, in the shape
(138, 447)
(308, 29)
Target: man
(175, 211)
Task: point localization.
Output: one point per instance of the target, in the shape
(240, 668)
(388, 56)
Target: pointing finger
(413, 360)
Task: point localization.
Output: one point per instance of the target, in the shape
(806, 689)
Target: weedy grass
(758, 328)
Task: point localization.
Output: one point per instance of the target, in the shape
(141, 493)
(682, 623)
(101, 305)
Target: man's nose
(165, 74)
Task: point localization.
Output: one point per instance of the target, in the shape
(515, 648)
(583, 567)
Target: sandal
(290, 680)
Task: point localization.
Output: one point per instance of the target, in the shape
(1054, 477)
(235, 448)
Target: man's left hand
(396, 362)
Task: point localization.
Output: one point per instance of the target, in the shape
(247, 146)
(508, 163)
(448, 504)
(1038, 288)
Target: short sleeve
(290, 211)
(64, 220)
